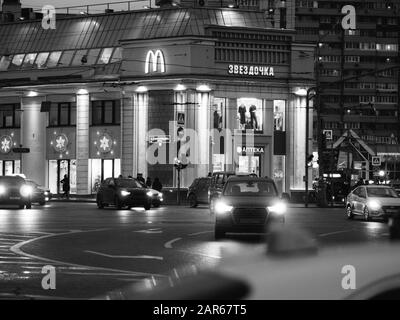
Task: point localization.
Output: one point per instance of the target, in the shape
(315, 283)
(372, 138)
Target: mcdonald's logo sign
(154, 60)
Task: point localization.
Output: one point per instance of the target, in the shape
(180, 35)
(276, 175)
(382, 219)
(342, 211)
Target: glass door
(249, 164)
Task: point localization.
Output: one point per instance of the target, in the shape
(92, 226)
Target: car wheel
(192, 201)
(118, 203)
(100, 204)
(147, 206)
(349, 212)
(219, 233)
(156, 204)
(28, 206)
(366, 214)
(21, 206)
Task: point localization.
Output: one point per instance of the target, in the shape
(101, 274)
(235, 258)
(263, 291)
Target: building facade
(134, 92)
(369, 57)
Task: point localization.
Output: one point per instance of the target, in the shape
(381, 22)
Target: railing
(106, 7)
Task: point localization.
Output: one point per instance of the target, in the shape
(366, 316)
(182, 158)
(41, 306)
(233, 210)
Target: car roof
(248, 178)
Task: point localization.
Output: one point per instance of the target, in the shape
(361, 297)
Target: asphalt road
(95, 251)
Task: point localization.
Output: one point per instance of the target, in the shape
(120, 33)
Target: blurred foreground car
(290, 268)
(247, 204)
(198, 191)
(40, 195)
(14, 190)
(157, 198)
(123, 192)
(373, 201)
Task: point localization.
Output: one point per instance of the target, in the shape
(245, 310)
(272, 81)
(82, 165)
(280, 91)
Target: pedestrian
(140, 178)
(148, 182)
(66, 187)
(157, 184)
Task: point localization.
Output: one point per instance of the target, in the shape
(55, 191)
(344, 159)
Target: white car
(373, 201)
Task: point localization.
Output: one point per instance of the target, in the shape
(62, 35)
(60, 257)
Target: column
(202, 120)
(127, 132)
(140, 128)
(82, 142)
(33, 136)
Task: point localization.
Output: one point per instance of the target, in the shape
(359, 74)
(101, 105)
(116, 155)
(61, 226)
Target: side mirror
(285, 196)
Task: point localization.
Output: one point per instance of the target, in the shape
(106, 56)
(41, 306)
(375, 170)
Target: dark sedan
(248, 204)
(123, 193)
(40, 195)
(15, 191)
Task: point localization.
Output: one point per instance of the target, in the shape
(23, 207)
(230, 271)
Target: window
(41, 60)
(106, 112)
(53, 59)
(117, 56)
(4, 63)
(93, 56)
(29, 60)
(250, 114)
(17, 61)
(62, 114)
(386, 47)
(79, 57)
(105, 55)
(66, 58)
(9, 116)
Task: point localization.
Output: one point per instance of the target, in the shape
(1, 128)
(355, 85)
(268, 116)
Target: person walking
(148, 182)
(65, 186)
(157, 185)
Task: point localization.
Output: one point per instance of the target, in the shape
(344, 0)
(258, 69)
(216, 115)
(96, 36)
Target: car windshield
(128, 183)
(250, 188)
(382, 193)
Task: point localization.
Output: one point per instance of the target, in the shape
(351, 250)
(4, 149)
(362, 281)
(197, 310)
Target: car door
(202, 188)
(109, 191)
(363, 199)
(355, 199)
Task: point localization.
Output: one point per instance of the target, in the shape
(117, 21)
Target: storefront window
(218, 162)
(17, 61)
(105, 55)
(218, 113)
(57, 170)
(249, 164)
(102, 169)
(93, 56)
(279, 115)
(66, 58)
(78, 58)
(250, 114)
(9, 167)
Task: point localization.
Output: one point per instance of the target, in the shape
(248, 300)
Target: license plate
(250, 221)
(15, 198)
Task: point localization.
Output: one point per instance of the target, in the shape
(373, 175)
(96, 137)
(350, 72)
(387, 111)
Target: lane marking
(332, 233)
(17, 250)
(125, 257)
(149, 231)
(201, 254)
(168, 244)
(199, 233)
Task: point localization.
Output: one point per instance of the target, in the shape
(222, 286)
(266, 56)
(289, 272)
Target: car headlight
(278, 208)
(125, 193)
(149, 194)
(3, 190)
(374, 205)
(222, 208)
(160, 195)
(25, 191)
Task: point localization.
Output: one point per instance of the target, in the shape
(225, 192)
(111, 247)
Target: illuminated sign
(255, 150)
(251, 70)
(153, 60)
